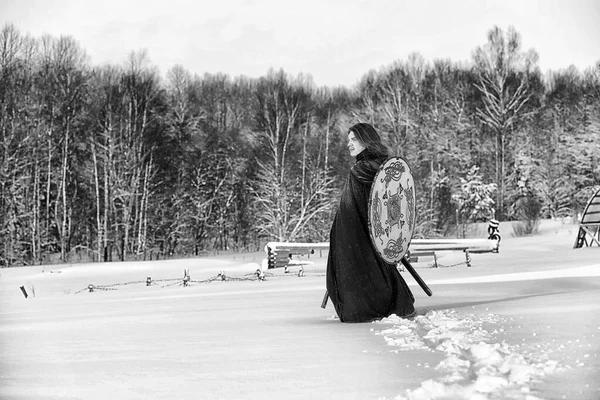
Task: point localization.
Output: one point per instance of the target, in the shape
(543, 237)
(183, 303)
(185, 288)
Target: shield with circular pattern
(392, 209)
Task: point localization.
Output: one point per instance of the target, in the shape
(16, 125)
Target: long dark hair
(370, 138)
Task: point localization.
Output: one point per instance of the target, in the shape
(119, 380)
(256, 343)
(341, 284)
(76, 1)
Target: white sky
(334, 41)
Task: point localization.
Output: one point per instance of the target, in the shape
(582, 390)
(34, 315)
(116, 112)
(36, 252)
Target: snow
(522, 324)
(475, 365)
(588, 270)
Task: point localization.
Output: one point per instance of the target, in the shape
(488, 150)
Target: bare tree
(12, 144)
(503, 70)
(283, 207)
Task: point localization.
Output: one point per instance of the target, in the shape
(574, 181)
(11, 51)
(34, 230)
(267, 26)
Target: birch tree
(105, 116)
(140, 91)
(65, 69)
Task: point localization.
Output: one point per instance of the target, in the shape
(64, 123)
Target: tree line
(114, 162)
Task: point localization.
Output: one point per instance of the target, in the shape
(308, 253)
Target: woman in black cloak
(361, 285)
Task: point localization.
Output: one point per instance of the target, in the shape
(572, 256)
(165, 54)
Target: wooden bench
(429, 247)
(279, 253)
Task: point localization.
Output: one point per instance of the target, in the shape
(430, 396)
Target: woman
(361, 286)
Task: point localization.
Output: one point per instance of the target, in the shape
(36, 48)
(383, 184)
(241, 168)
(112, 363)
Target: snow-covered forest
(126, 162)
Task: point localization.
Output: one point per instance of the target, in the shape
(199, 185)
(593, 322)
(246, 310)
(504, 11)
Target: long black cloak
(361, 285)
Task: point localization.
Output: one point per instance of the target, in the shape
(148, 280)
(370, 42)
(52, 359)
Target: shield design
(392, 209)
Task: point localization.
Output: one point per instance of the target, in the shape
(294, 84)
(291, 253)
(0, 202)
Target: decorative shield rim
(369, 222)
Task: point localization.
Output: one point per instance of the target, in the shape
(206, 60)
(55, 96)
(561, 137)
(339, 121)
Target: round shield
(392, 209)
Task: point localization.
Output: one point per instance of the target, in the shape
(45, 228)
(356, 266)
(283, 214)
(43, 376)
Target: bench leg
(468, 258)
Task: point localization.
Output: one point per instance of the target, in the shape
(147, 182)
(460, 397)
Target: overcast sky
(334, 41)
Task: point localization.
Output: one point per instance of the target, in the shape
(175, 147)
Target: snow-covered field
(521, 324)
